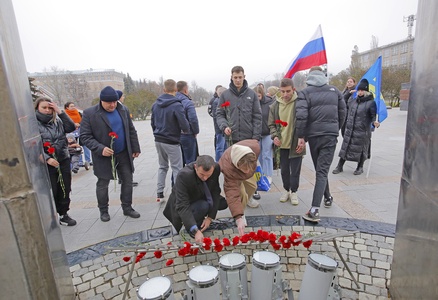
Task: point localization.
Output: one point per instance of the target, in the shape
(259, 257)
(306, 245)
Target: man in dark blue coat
(110, 116)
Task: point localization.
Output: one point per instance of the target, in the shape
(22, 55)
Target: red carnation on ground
(226, 242)
(225, 104)
(194, 251)
(272, 237)
(286, 245)
(158, 254)
(275, 245)
(218, 248)
(245, 238)
(307, 244)
(236, 240)
(126, 258)
(217, 242)
(207, 243)
(293, 237)
(282, 238)
(169, 262)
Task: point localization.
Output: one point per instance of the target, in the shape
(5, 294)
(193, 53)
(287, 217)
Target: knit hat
(363, 85)
(120, 93)
(239, 151)
(108, 94)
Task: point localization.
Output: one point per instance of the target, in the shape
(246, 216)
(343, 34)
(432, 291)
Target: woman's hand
(55, 107)
(376, 124)
(52, 162)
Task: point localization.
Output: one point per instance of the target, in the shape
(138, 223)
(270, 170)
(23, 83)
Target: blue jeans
(87, 154)
(266, 155)
(189, 148)
(220, 145)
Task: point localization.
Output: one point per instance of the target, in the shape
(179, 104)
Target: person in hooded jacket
(53, 125)
(239, 115)
(168, 120)
(347, 93)
(361, 119)
(286, 139)
(320, 114)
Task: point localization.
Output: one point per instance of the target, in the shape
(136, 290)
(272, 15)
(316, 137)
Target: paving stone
(112, 292)
(87, 294)
(88, 276)
(389, 252)
(76, 280)
(365, 254)
(368, 262)
(117, 281)
(100, 271)
(379, 273)
(383, 265)
(86, 263)
(101, 288)
(365, 279)
(83, 287)
(363, 296)
(380, 282)
(75, 268)
(363, 270)
(96, 282)
(110, 275)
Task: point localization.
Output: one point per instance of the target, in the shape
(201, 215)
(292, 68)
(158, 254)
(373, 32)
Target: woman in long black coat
(53, 125)
(361, 118)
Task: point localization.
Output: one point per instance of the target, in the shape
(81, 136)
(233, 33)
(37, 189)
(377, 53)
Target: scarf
(74, 115)
(43, 118)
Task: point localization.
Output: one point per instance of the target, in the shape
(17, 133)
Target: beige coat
(233, 177)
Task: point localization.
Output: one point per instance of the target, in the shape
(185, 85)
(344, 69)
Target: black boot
(358, 171)
(339, 168)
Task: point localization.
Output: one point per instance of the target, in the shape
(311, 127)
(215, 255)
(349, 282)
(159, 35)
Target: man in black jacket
(110, 116)
(196, 197)
(320, 113)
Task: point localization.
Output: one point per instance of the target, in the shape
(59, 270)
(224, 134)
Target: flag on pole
(374, 77)
(313, 54)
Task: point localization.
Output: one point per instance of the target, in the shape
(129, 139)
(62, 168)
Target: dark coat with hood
(168, 119)
(189, 188)
(95, 129)
(244, 113)
(190, 112)
(55, 132)
(357, 135)
(320, 108)
(264, 105)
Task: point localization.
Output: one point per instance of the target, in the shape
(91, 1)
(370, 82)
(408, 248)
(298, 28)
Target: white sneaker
(252, 203)
(294, 198)
(269, 179)
(285, 197)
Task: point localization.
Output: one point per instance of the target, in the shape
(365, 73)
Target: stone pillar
(33, 262)
(414, 273)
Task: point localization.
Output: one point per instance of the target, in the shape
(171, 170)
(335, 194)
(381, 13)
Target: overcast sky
(200, 40)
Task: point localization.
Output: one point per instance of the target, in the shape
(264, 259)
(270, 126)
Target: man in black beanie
(99, 122)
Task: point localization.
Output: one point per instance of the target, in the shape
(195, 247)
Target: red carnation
(284, 124)
(294, 237)
(194, 251)
(307, 244)
(265, 235)
(236, 240)
(286, 245)
(282, 238)
(218, 248)
(275, 246)
(126, 258)
(46, 144)
(245, 238)
(226, 242)
(51, 150)
(169, 262)
(113, 135)
(272, 237)
(253, 236)
(158, 254)
(217, 242)
(225, 104)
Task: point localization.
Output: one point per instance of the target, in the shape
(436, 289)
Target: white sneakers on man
(294, 198)
(285, 196)
(252, 203)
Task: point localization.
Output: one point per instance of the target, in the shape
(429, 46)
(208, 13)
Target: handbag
(262, 181)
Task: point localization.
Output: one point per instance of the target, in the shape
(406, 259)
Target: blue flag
(374, 77)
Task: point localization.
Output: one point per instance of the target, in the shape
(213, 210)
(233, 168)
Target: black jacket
(357, 135)
(54, 133)
(189, 188)
(320, 109)
(95, 128)
(264, 105)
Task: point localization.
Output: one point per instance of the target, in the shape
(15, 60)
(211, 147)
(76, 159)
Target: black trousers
(124, 171)
(290, 170)
(322, 150)
(62, 202)
(200, 209)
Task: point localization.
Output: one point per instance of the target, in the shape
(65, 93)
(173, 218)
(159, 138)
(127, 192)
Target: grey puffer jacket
(357, 135)
(55, 134)
(244, 113)
(320, 109)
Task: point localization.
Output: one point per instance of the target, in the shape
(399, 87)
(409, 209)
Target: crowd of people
(273, 127)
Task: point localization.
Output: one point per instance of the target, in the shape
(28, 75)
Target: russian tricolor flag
(313, 54)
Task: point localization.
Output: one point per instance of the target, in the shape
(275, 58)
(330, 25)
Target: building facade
(397, 54)
(80, 87)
